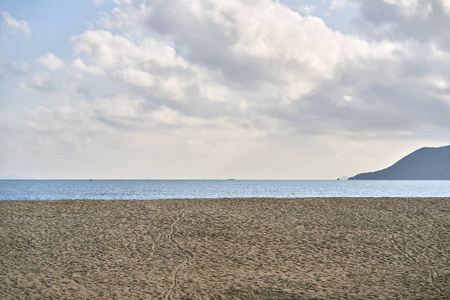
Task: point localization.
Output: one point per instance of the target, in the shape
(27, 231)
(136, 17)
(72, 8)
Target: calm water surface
(169, 189)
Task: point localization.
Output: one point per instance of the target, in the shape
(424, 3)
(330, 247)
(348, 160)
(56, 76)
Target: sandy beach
(330, 248)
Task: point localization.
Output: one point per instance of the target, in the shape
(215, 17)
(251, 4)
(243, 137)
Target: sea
(190, 189)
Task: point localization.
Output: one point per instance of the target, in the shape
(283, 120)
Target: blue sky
(51, 22)
(286, 89)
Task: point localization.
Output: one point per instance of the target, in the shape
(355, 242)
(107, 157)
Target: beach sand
(330, 248)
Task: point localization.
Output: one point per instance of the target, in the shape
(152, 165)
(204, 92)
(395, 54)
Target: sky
(213, 89)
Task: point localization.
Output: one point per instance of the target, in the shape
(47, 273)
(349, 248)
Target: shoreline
(241, 198)
(228, 248)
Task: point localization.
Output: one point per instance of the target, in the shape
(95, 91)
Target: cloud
(99, 2)
(108, 51)
(16, 69)
(424, 21)
(337, 4)
(42, 81)
(158, 73)
(238, 59)
(82, 88)
(12, 25)
(306, 9)
(80, 65)
(211, 86)
(266, 64)
(51, 61)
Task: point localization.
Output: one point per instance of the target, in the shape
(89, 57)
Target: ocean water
(174, 189)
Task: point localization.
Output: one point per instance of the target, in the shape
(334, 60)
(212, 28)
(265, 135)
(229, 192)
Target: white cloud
(234, 61)
(155, 68)
(263, 54)
(425, 21)
(259, 44)
(136, 77)
(108, 51)
(12, 25)
(211, 86)
(445, 5)
(43, 81)
(80, 65)
(15, 69)
(337, 4)
(408, 7)
(51, 61)
(99, 2)
(306, 9)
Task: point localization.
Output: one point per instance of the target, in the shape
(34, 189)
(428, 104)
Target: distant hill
(422, 164)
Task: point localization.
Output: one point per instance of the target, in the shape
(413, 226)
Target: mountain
(423, 164)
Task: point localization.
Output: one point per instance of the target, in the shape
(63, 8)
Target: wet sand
(331, 248)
